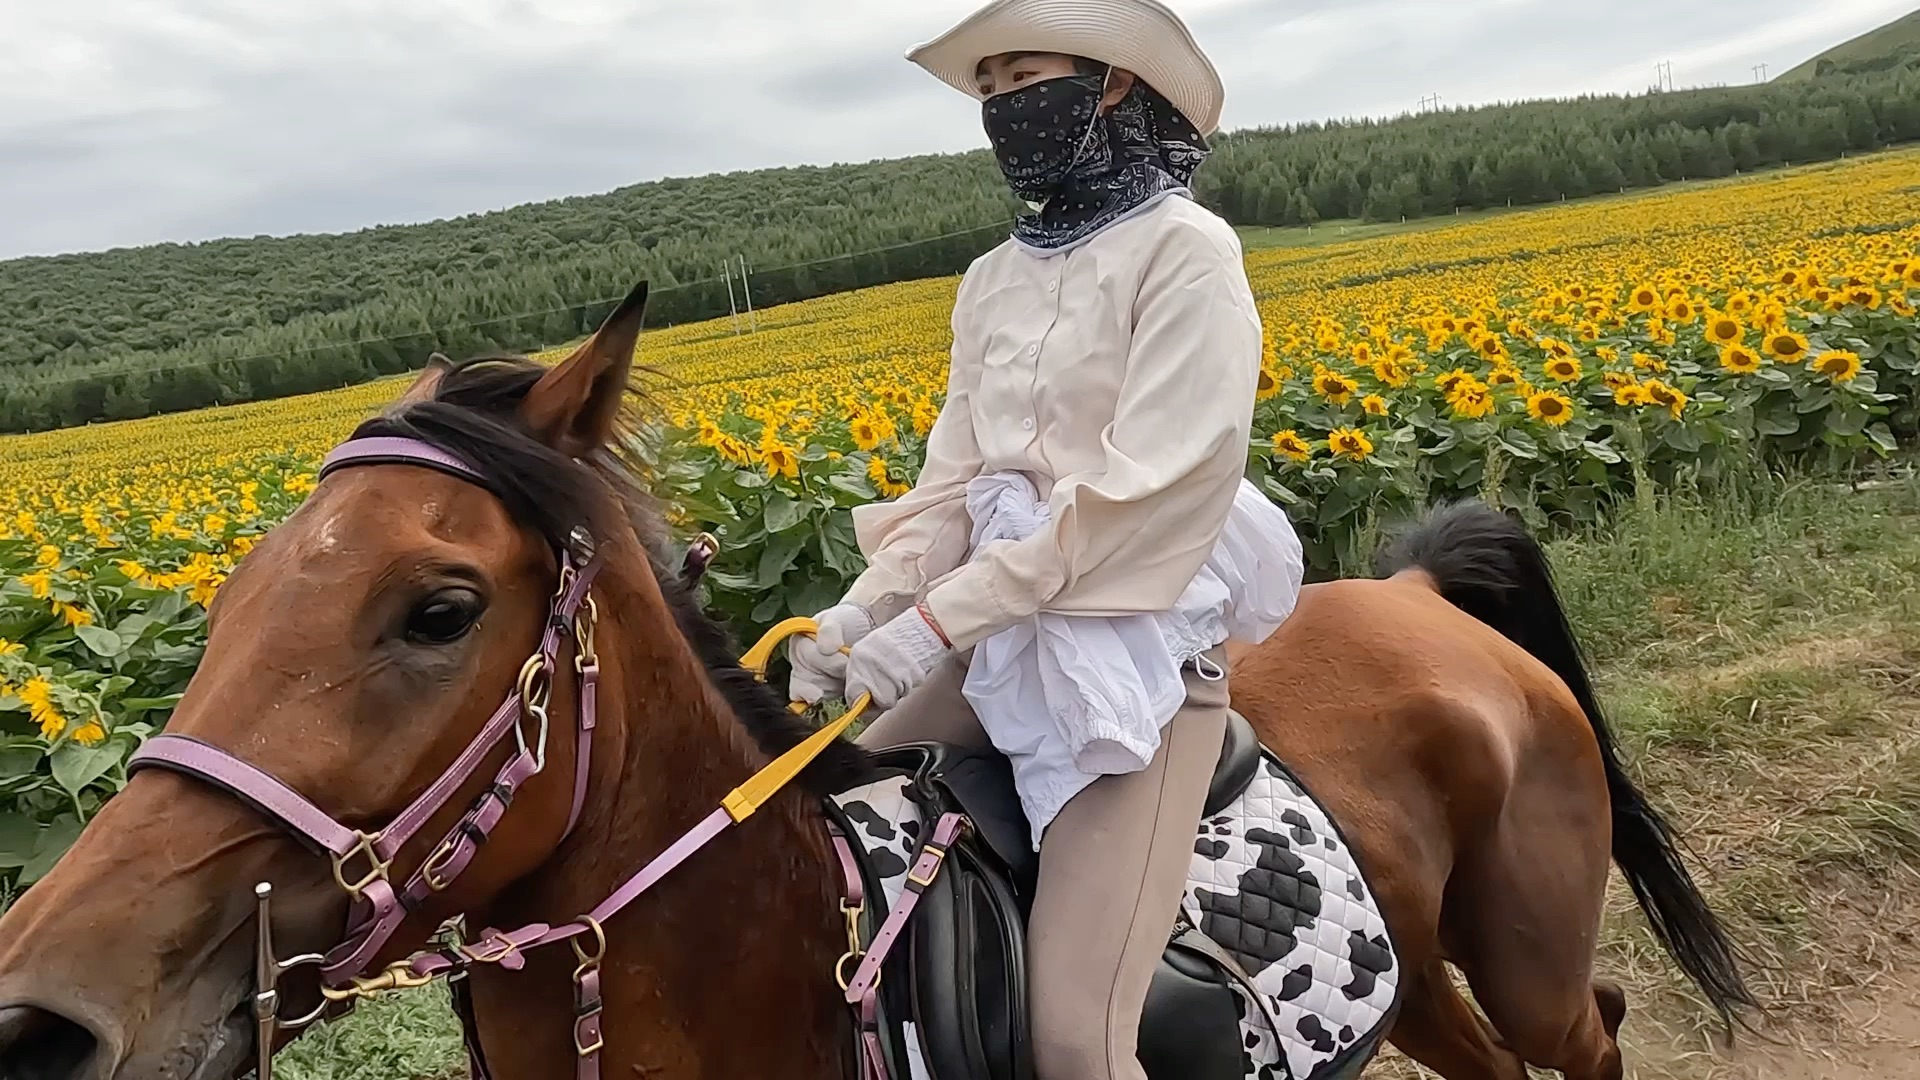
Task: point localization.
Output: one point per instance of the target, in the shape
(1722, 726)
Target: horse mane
(474, 414)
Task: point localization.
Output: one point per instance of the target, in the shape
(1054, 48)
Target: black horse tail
(1487, 564)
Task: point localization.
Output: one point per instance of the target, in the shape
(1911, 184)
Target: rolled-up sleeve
(1130, 536)
(913, 540)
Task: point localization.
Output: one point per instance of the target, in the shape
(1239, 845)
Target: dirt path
(1875, 1035)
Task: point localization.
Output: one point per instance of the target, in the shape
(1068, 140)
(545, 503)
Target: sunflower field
(1551, 361)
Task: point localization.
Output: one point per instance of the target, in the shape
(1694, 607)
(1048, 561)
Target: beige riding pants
(1113, 865)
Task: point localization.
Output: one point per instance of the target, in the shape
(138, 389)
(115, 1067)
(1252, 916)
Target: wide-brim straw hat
(1141, 36)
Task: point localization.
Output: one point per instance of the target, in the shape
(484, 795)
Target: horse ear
(573, 407)
(427, 384)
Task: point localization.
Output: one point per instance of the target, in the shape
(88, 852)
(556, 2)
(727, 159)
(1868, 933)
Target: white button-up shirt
(1119, 376)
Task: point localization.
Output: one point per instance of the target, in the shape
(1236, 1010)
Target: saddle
(956, 982)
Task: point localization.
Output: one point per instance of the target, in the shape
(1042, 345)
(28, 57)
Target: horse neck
(724, 968)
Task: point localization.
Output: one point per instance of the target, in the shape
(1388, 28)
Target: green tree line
(169, 327)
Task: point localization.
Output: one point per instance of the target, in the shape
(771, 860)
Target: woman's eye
(444, 618)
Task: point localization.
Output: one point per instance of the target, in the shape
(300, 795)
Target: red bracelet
(921, 607)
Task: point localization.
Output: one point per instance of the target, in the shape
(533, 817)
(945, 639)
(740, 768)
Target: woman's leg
(936, 712)
(1113, 866)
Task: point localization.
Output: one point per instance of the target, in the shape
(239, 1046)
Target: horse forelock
(473, 413)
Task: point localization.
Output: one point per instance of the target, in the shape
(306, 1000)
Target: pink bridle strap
(388, 450)
(260, 790)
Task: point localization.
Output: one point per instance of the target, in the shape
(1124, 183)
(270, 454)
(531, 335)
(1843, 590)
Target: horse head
(357, 656)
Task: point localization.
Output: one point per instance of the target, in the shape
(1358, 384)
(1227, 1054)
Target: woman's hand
(819, 667)
(894, 660)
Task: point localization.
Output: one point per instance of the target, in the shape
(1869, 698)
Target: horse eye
(445, 617)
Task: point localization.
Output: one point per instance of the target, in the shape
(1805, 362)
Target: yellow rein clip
(742, 801)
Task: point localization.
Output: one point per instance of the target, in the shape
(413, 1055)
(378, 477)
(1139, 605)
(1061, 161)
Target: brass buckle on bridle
(376, 866)
(536, 691)
(589, 963)
(843, 974)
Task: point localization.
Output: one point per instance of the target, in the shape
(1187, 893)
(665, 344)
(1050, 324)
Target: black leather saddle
(962, 977)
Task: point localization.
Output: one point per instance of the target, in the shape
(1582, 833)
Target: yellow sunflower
(1350, 443)
(1391, 371)
(1739, 359)
(1865, 296)
(1290, 443)
(1667, 396)
(779, 459)
(1471, 400)
(1453, 380)
(1563, 369)
(1632, 396)
(1840, 365)
(1333, 386)
(1374, 405)
(1269, 385)
(1723, 329)
(1550, 407)
(1786, 346)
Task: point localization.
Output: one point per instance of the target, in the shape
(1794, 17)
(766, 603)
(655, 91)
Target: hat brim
(1141, 36)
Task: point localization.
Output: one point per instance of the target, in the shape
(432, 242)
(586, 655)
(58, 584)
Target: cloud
(135, 121)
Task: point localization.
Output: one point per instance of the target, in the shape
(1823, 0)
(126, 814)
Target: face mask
(1038, 132)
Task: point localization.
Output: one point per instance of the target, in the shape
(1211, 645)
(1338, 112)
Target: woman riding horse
(477, 570)
(1081, 541)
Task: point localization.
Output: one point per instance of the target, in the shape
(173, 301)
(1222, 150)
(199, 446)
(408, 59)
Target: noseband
(363, 862)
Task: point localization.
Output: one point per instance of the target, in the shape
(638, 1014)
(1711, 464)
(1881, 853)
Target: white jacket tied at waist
(1070, 698)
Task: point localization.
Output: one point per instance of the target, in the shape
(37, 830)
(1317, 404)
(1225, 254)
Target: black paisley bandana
(1085, 172)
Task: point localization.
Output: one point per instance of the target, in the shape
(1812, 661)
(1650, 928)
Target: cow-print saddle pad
(1274, 884)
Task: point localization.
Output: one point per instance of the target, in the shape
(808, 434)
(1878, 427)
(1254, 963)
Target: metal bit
(266, 982)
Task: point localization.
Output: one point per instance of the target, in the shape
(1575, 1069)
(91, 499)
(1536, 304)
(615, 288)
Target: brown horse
(363, 643)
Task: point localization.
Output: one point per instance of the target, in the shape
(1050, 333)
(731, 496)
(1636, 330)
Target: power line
(1759, 73)
(189, 365)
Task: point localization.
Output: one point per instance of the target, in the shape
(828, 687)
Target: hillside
(1877, 49)
(133, 332)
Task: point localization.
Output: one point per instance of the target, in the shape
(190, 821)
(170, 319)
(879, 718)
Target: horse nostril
(39, 1045)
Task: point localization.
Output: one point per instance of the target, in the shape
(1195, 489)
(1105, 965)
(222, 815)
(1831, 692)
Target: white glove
(819, 667)
(895, 659)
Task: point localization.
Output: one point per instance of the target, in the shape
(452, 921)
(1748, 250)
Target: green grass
(1900, 35)
(410, 1036)
(1759, 649)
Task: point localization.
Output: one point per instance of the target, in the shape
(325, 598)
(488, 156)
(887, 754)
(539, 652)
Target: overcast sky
(136, 121)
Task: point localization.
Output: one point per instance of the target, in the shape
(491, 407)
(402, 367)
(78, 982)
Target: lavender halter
(363, 862)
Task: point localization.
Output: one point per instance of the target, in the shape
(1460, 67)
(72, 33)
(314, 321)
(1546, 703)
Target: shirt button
(1028, 424)
(1033, 350)
(1053, 286)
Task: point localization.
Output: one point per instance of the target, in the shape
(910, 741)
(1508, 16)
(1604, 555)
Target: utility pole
(1430, 102)
(746, 293)
(726, 271)
(1663, 75)
(1759, 73)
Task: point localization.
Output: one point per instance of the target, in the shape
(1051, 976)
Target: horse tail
(1487, 564)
